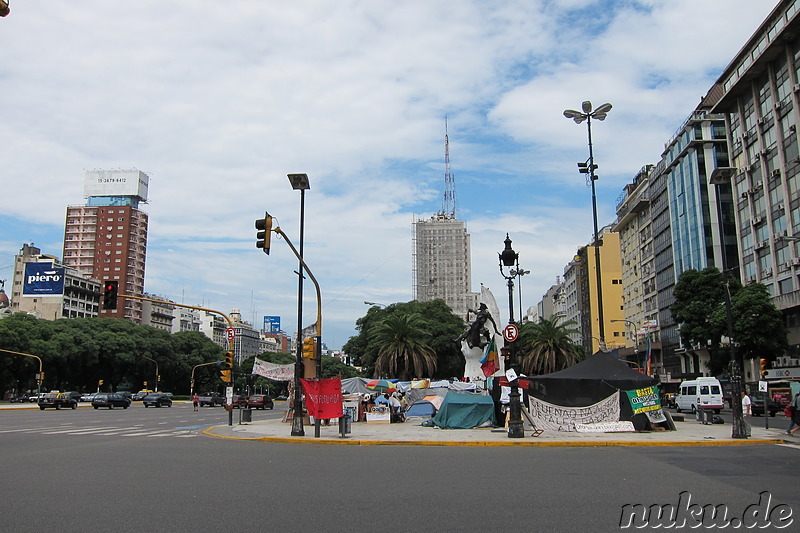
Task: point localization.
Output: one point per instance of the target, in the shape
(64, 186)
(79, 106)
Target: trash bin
(706, 416)
(247, 415)
(345, 424)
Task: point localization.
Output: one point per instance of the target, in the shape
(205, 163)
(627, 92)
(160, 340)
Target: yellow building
(611, 278)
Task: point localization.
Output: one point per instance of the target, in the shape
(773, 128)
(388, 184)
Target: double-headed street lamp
(510, 259)
(588, 168)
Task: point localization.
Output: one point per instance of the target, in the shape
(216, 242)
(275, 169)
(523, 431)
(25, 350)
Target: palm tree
(546, 346)
(401, 351)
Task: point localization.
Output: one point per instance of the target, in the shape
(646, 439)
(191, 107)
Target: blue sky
(218, 103)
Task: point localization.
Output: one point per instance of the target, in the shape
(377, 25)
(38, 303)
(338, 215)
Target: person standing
(747, 411)
(195, 401)
(794, 409)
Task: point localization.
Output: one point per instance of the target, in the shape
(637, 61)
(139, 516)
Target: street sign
(230, 334)
(783, 373)
(510, 333)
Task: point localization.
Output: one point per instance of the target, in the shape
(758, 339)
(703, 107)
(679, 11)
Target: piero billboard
(43, 279)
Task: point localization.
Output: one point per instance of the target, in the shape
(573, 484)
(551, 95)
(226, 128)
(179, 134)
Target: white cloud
(217, 103)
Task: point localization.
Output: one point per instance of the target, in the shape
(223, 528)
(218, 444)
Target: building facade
(106, 239)
(442, 264)
(760, 94)
(45, 288)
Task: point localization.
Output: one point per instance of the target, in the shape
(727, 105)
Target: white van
(700, 393)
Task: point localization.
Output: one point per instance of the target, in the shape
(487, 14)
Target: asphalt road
(162, 478)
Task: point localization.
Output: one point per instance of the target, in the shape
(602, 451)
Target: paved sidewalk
(411, 433)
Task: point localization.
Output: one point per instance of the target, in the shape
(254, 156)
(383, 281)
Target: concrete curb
(516, 443)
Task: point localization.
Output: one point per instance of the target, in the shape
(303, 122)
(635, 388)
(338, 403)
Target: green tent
(463, 411)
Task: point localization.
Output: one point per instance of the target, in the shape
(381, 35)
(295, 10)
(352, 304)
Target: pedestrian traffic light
(764, 370)
(264, 227)
(110, 294)
(309, 348)
(505, 353)
(4, 9)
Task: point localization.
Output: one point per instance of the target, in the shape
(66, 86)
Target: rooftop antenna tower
(449, 202)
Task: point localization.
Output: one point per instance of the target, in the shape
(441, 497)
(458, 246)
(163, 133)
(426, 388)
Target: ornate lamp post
(588, 168)
(299, 183)
(510, 259)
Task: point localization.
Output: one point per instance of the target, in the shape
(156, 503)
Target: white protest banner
(273, 371)
(559, 418)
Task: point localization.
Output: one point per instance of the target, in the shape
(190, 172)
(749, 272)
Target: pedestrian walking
(747, 411)
(195, 401)
(794, 420)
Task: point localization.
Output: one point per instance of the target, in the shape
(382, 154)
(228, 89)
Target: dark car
(211, 399)
(757, 405)
(57, 400)
(238, 401)
(22, 398)
(111, 401)
(260, 401)
(157, 399)
(74, 395)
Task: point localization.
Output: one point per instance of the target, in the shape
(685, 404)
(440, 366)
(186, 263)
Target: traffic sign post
(510, 333)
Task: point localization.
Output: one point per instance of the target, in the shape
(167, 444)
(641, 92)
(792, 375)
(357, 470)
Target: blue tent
(463, 411)
(421, 408)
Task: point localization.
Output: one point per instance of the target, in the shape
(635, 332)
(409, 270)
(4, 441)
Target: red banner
(323, 397)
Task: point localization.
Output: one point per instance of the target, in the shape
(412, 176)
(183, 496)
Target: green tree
(438, 320)
(700, 309)
(402, 350)
(546, 346)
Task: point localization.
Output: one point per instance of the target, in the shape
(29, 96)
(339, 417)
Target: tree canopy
(546, 346)
(758, 327)
(434, 325)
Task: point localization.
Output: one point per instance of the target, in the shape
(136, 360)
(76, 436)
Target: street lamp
(635, 327)
(299, 183)
(588, 168)
(509, 259)
(519, 273)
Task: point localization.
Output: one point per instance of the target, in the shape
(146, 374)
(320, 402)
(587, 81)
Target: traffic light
(4, 9)
(764, 370)
(264, 227)
(505, 353)
(309, 348)
(226, 370)
(583, 168)
(110, 295)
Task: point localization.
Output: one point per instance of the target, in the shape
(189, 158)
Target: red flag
(323, 397)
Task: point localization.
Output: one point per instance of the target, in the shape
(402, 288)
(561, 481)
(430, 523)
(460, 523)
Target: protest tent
(463, 411)
(589, 382)
(422, 408)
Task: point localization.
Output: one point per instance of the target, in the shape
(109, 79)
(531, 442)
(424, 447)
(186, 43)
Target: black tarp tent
(591, 380)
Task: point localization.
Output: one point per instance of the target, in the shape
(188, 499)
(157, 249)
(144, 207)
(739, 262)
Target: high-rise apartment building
(106, 239)
(442, 267)
(760, 98)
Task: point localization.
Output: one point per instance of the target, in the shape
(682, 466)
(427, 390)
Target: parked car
(57, 400)
(88, 397)
(757, 405)
(210, 399)
(157, 399)
(110, 400)
(22, 398)
(260, 401)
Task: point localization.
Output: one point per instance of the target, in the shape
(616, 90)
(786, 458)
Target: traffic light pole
(40, 377)
(229, 376)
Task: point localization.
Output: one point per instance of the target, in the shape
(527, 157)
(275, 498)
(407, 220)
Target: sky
(217, 103)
